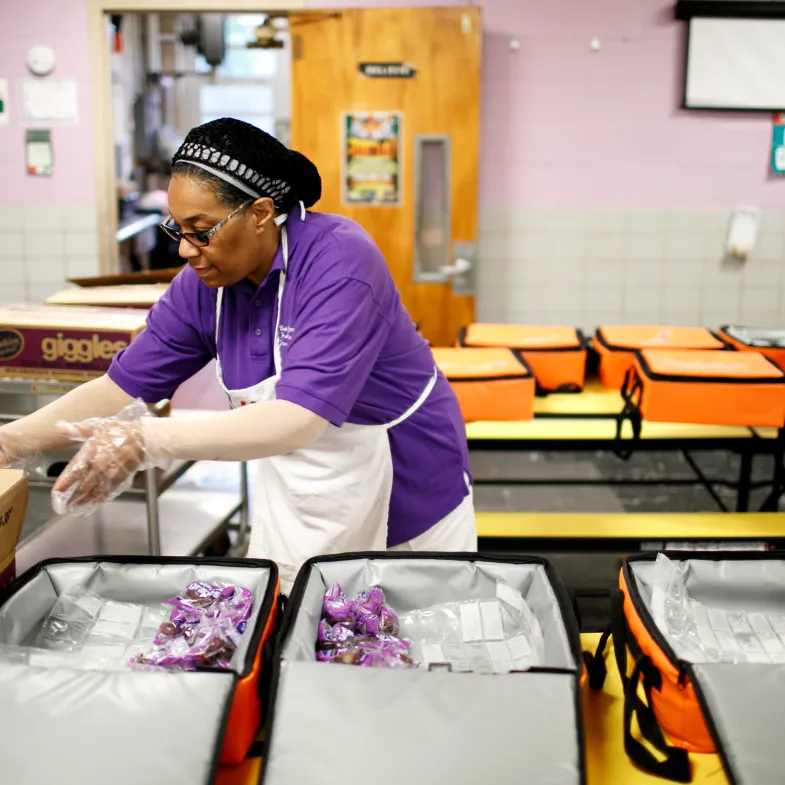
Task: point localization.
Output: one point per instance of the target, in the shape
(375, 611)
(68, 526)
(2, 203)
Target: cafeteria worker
(362, 439)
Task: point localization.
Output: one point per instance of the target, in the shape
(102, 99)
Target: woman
(328, 379)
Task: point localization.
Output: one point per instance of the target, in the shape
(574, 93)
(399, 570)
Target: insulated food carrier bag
(736, 709)
(768, 342)
(490, 384)
(420, 725)
(556, 354)
(715, 388)
(616, 346)
(152, 726)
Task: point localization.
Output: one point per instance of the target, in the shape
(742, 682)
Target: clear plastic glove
(14, 454)
(113, 451)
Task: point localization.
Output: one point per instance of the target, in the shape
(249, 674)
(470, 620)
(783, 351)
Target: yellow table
(586, 422)
(594, 399)
(640, 526)
(606, 761)
(573, 428)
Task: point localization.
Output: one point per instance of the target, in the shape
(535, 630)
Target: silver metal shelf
(190, 521)
(137, 224)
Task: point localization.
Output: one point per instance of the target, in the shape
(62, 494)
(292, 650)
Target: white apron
(330, 497)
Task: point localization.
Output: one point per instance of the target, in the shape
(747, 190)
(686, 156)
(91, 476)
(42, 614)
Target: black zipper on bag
(684, 667)
(581, 346)
(301, 581)
(264, 611)
(215, 764)
(562, 598)
(659, 377)
(600, 338)
(725, 331)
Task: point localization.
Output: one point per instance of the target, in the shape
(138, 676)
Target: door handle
(460, 267)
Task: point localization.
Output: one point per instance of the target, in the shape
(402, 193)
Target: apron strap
(418, 403)
(281, 283)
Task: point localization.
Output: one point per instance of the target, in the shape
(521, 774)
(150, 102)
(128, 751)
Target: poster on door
(371, 158)
(778, 144)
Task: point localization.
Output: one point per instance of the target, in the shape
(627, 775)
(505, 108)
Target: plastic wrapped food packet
(335, 608)
(494, 635)
(360, 632)
(388, 621)
(204, 628)
(335, 636)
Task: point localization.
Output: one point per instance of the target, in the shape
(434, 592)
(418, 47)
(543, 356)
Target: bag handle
(631, 387)
(595, 662)
(675, 766)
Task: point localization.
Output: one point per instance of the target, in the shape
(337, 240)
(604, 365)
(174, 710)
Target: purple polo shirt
(349, 353)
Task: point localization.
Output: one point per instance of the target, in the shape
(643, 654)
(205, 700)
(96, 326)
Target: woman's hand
(113, 451)
(12, 449)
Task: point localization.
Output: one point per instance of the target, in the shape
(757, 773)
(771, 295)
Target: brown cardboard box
(13, 506)
(133, 296)
(145, 276)
(64, 342)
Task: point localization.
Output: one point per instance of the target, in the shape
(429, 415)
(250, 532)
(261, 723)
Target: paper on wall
(49, 101)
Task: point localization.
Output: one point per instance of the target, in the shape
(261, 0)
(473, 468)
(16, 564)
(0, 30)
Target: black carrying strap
(631, 391)
(675, 765)
(268, 652)
(595, 662)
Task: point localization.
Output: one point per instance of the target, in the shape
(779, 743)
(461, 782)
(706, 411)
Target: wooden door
(423, 63)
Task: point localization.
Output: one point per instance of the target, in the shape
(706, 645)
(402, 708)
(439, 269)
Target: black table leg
(745, 479)
(778, 481)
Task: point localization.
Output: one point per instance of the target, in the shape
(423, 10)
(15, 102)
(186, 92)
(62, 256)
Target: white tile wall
(41, 247)
(588, 267)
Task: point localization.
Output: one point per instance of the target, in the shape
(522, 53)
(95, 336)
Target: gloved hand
(13, 451)
(113, 451)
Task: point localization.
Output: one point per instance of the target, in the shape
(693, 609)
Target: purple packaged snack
(388, 621)
(204, 629)
(367, 625)
(369, 602)
(335, 608)
(329, 637)
(329, 655)
(382, 643)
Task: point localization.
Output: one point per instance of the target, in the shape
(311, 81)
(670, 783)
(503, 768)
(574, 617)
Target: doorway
(385, 101)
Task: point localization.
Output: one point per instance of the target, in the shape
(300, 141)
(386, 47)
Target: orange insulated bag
(706, 631)
(714, 388)
(67, 630)
(490, 384)
(769, 343)
(616, 346)
(556, 354)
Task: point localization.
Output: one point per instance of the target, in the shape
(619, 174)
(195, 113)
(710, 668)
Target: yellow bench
(699, 526)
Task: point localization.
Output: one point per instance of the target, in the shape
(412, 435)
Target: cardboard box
(135, 296)
(13, 507)
(145, 276)
(63, 342)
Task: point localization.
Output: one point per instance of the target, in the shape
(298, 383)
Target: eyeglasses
(199, 239)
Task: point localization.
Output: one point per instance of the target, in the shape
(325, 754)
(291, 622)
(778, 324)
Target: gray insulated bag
(457, 721)
(706, 632)
(83, 723)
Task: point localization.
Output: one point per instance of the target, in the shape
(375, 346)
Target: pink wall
(562, 126)
(61, 24)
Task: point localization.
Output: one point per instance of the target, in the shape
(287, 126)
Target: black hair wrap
(239, 161)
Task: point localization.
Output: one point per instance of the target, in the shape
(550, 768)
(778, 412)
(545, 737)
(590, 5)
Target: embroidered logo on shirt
(285, 335)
